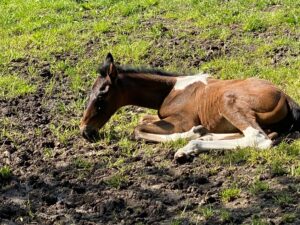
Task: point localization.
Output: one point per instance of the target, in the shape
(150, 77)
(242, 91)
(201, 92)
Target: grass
(225, 215)
(5, 173)
(81, 163)
(63, 133)
(12, 86)
(229, 39)
(48, 152)
(259, 187)
(230, 194)
(258, 221)
(283, 199)
(207, 212)
(117, 180)
(289, 218)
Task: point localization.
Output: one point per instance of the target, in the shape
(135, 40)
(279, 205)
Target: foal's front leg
(252, 138)
(168, 129)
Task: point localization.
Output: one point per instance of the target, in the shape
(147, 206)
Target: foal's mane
(145, 70)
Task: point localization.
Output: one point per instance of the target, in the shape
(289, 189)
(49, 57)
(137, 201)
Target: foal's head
(103, 100)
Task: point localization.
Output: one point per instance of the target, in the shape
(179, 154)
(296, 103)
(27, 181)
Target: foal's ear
(109, 58)
(111, 70)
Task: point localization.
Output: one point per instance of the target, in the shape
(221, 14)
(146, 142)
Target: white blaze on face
(183, 82)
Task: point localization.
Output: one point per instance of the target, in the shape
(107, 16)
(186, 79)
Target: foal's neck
(145, 89)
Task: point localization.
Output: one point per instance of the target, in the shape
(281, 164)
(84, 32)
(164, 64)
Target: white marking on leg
(252, 138)
(183, 82)
(215, 136)
(256, 138)
(191, 134)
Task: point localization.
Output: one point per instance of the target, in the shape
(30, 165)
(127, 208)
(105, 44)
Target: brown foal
(212, 113)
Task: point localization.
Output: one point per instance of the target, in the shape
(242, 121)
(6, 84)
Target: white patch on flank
(183, 82)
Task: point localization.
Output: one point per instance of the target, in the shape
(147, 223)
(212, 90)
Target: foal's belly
(220, 125)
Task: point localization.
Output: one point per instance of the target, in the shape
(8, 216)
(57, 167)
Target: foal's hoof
(181, 157)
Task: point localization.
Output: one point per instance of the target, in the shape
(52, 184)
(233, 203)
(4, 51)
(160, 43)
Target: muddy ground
(152, 189)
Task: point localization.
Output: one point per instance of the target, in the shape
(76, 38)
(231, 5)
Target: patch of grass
(289, 217)
(48, 152)
(64, 133)
(5, 173)
(295, 171)
(119, 163)
(277, 168)
(254, 23)
(230, 194)
(177, 221)
(214, 170)
(29, 209)
(225, 215)
(207, 211)
(259, 187)
(258, 221)
(50, 87)
(11, 130)
(121, 126)
(102, 27)
(12, 86)
(283, 199)
(236, 156)
(118, 180)
(175, 144)
(127, 146)
(81, 163)
(134, 50)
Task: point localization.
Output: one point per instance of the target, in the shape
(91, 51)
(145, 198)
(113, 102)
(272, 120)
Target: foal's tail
(295, 111)
(289, 128)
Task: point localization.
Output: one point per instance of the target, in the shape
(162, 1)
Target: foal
(212, 113)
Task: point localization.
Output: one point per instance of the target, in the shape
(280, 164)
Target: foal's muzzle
(89, 133)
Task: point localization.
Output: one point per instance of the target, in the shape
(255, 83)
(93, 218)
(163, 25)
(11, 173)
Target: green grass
(258, 221)
(207, 211)
(289, 217)
(230, 194)
(63, 133)
(225, 215)
(229, 39)
(259, 187)
(283, 199)
(5, 173)
(12, 86)
(81, 163)
(48, 152)
(117, 180)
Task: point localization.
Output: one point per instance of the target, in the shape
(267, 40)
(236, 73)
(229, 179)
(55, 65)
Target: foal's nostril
(89, 134)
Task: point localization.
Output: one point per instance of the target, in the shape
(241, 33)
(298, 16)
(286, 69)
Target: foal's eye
(100, 103)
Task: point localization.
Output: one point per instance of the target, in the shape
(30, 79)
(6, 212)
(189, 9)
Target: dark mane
(129, 69)
(145, 70)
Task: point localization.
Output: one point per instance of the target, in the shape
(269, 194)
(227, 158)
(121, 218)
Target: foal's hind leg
(242, 117)
(168, 129)
(149, 119)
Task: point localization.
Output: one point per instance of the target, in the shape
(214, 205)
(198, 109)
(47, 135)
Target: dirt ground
(152, 190)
